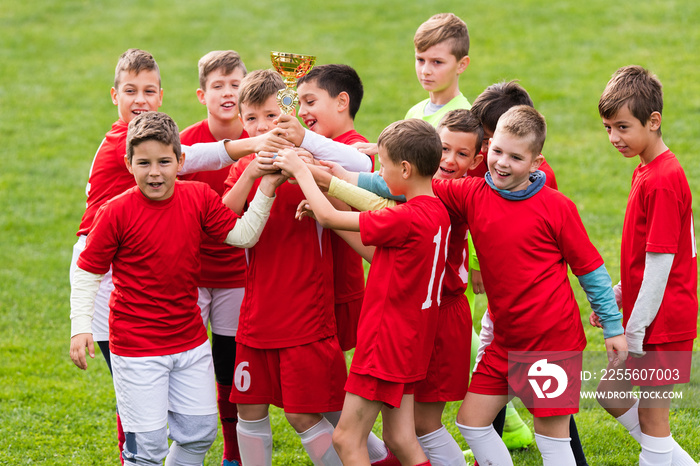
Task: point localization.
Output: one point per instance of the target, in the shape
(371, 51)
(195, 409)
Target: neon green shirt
(418, 110)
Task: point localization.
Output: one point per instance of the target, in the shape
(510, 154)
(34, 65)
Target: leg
(224, 353)
(576, 446)
(552, 436)
(145, 448)
(440, 447)
(254, 435)
(316, 434)
(516, 434)
(474, 420)
(192, 437)
(400, 432)
(356, 421)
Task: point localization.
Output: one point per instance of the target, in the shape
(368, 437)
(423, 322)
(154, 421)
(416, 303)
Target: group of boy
(278, 333)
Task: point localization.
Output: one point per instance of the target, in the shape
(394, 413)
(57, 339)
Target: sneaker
(390, 460)
(518, 437)
(230, 463)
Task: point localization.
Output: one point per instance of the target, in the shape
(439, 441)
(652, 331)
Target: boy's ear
(478, 158)
(655, 121)
(113, 93)
(127, 162)
(462, 64)
(181, 162)
(406, 169)
(200, 97)
(536, 162)
(343, 101)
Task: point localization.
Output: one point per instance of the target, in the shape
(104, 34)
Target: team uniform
(533, 307)
(399, 315)
(287, 352)
(659, 219)
(418, 110)
(155, 315)
(348, 275)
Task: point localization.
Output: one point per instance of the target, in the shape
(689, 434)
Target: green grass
(56, 67)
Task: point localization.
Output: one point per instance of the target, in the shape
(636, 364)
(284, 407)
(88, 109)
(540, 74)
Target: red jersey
(524, 248)
(223, 266)
(153, 247)
(551, 181)
(399, 314)
(348, 272)
(108, 174)
(288, 297)
(659, 219)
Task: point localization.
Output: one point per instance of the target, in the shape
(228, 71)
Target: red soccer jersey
(348, 272)
(108, 174)
(659, 219)
(289, 281)
(153, 247)
(482, 168)
(399, 314)
(523, 249)
(223, 266)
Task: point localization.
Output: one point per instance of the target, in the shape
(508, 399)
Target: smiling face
(221, 94)
(630, 137)
(155, 166)
(258, 119)
(319, 111)
(458, 154)
(511, 161)
(137, 94)
(437, 69)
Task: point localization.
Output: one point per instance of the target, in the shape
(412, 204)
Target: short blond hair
(258, 86)
(523, 121)
(635, 87)
(441, 28)
(225, 60)
(416, 142)
(135, 61)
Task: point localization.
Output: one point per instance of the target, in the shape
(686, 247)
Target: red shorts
(299, 379)
(374, 389)
(663, 364)
(347, 315)
(496, 375)
(448, 371)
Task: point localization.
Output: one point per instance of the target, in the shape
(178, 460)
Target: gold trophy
(291, 66)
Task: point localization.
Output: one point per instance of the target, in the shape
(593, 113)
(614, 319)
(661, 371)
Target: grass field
(57, 62)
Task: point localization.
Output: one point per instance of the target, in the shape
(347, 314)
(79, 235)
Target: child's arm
(376, 184)
(236, 197)
(267, 142)
(356, 197)
(323, 148)
(324, 212)
(598, 288)
(249, 227)
(84, 288)
(474, 268)
(657, 268)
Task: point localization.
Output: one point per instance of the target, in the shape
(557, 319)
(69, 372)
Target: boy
(442, 55)
(287, 352)
(163, 372)
(399, 313)
(658, 264)
(460, 134)
(222, 278)
(505, 211)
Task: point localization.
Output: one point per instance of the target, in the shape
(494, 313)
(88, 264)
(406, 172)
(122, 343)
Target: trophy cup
(291, 66)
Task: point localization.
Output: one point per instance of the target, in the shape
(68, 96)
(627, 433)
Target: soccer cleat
(390, 460)
(230, 463)
(518, 436)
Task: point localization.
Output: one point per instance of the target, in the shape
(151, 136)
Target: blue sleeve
(374, 183)
(598, 288)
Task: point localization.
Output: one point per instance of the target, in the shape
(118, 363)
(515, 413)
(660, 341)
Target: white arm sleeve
(249, 227)
(485, 337)
(84, 288)
(329, 150)
(205, 156)
(657, 267)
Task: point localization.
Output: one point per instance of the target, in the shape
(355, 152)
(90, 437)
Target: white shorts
(100, 318)
(221, 307)
(148, 387)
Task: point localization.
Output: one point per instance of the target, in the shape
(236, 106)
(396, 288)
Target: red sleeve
(236, 171)
(663, 209)
(219, 220)
(574, 243)
(387, 227)
(101, 243)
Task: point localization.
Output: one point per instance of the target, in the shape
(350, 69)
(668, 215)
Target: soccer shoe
(390, 460)
(230, 463)
(517, 436)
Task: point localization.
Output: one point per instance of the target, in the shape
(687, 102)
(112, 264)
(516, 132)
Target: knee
(301, 422)
(342, 442)
(194, 433)
(144, 448)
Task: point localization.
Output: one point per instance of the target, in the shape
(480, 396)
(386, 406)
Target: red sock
(121, 438)
(427, 463)
(229, 418)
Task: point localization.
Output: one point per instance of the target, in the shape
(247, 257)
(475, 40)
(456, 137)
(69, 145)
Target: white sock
(656, 451)
(555, 451)
(442, 449)
(487, 446)
(376, 448)
(681, 457)
(318, 443)
(178, 456)
(255, 441)
(630, 420)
